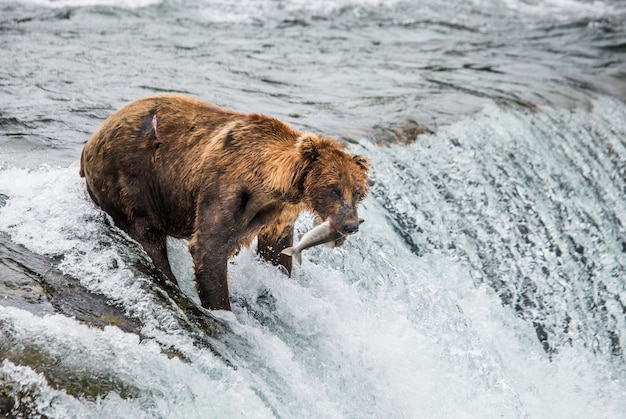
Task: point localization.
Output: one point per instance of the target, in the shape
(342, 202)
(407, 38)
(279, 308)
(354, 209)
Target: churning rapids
(487, 281)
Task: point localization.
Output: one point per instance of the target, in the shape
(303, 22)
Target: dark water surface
(341, 68)
(488, 280)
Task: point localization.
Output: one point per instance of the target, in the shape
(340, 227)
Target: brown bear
(171, 165)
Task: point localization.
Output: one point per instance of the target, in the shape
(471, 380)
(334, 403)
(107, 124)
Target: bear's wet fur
(171, 165)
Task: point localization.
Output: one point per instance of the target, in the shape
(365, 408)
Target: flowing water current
(487, 281)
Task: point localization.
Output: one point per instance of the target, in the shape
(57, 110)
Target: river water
(488, 280)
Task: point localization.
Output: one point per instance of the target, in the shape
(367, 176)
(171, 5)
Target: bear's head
(335, 183)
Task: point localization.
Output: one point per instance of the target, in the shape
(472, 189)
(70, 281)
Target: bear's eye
(335, 192)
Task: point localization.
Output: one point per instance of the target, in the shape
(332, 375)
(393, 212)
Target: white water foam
(167, 386)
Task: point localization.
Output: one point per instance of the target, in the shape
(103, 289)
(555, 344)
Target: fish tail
(291, 251)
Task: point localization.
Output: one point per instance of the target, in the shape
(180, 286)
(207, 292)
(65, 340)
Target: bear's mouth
(341, 231)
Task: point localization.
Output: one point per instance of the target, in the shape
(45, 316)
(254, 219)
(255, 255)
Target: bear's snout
(350, 228)
(346, 221)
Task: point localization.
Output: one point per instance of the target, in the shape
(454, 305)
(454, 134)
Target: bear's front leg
(210, 260)
(269, 247)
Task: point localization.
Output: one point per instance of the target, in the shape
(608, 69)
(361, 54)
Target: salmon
(322, 233)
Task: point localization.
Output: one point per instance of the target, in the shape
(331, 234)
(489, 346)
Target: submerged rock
(33, 283)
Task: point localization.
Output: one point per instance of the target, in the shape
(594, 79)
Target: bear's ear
(362, 162)
(307, 145)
